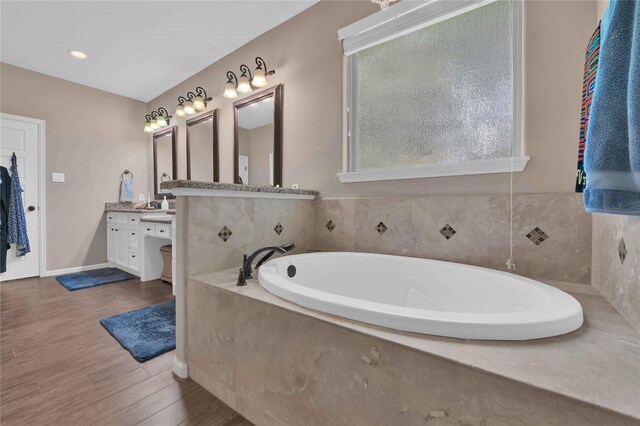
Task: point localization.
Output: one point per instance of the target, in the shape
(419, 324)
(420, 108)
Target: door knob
(31, 208)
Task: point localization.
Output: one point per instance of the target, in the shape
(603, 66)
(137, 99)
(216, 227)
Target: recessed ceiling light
(77, 54)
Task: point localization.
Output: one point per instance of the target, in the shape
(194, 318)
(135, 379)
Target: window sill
(481, 167)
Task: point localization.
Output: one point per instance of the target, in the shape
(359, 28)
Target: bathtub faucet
(246, 271)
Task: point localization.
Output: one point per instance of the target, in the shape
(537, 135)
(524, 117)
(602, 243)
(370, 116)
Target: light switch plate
(141, 197)
(57, 177)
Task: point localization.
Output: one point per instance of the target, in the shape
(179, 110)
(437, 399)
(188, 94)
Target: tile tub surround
(552, 233)
(278, 363)
(216, 224)
(221, 230)
(616, 263)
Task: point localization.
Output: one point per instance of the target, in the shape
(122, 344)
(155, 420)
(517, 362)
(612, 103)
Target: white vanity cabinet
(117, 245)
(123, 241)
(133, 244)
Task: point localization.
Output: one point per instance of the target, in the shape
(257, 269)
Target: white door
(243, 165)
(22, 136)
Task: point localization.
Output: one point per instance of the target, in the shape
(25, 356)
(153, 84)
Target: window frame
(422, 16)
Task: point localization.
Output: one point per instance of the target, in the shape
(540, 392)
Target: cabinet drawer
(134, 219)
(134, 238)
(163, 231)
(111, 217)
(149, 228)
(134, 259)
(121, 218)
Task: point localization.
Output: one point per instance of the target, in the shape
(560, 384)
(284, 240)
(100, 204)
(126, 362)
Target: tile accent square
(622, 251)
(381, 228)
(279, 228)
(537, 236)
(330, 226)
(225, 234)
(447, 231)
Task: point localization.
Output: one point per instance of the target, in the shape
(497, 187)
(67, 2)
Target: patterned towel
(17, 224)
(588, 86)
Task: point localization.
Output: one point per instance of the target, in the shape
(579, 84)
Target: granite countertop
(128, 208)
(140, 211)
(598, 364)
(192, 184)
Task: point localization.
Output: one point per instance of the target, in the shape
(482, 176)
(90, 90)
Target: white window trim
(404, 18)
(479, 167)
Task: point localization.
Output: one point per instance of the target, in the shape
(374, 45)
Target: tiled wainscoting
(616, 263)
(551, 234)
(221, 230)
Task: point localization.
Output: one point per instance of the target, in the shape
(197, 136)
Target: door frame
(42, 206)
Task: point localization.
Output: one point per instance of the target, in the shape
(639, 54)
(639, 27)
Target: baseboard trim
(54, 272)
(180, 368)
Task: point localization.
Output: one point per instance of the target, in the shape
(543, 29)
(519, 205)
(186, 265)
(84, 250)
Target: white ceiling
(137, 49)
(256, 115)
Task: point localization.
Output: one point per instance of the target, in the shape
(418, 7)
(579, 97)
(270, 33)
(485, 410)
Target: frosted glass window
(440, 95)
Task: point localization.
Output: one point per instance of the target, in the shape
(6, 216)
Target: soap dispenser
(165, 204)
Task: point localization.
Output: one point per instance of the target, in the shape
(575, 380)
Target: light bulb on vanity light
(180, 111)
(230, 90)
(260, 73)
(162, 121)
(188, 108)
(154, 124)
(198, 103)
(147, 128)
(244, 86)
(259, 78)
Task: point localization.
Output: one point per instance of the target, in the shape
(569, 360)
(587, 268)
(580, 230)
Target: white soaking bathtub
(423, 295)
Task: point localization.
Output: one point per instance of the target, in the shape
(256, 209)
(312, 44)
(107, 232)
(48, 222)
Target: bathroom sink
(159, 217)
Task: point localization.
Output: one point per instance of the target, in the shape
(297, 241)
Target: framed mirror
(258, 138)
(165, 166)
(202, 148)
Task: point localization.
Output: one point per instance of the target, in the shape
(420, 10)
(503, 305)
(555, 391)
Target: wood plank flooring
(59, 366)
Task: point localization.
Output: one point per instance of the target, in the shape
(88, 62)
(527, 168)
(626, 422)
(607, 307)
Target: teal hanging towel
(612, 154)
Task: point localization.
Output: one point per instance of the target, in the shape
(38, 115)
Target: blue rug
(79, 280)
(147, 332)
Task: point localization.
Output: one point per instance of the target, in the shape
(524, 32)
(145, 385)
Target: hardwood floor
(59, 366)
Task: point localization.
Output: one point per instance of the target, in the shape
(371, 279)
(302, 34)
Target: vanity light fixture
(188, 108)
(260, 74)
(156, 120)
(192, 102)
(230, 86)
(246, 82)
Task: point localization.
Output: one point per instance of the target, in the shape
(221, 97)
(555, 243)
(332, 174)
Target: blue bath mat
(79, 280)
(147, 332)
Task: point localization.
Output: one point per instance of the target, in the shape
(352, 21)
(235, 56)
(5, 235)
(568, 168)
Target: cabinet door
(111, 243)
(134, 260)
(122, 246)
